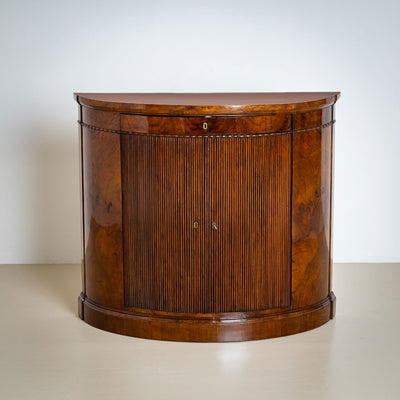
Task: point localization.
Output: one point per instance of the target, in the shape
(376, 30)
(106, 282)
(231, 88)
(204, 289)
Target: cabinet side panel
(102, 217)
(332, 200)
(82, 216)
(249, 190)
(163, 223)
(311, 202)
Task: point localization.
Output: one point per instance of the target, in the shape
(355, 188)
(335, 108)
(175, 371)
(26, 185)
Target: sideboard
(206, 216)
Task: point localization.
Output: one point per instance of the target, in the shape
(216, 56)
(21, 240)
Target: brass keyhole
(214, 226)
(205, 126)
(195, 224)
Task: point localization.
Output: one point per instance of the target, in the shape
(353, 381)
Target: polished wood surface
(209, 125)
(207, 103)
(206, 227)
(102, 217)
(311, 215)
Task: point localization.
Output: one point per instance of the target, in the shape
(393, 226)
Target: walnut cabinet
(206, 217)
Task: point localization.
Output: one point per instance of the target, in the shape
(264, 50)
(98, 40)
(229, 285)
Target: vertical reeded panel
(163, 197)
(248, 184)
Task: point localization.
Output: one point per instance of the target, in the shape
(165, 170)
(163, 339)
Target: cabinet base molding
(208, 327)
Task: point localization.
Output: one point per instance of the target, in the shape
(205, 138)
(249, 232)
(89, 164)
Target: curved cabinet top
(207, 103)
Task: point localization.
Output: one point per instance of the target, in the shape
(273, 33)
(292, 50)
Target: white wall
(51, 48)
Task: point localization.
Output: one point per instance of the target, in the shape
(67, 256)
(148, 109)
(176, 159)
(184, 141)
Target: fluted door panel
(207, 223)
(163, 183)
(248, 183)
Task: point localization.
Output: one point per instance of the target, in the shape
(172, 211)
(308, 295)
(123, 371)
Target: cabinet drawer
(195, 126)
(191, 126)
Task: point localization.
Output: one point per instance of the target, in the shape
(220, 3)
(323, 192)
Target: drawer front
(204, 126)
(160, 125)
(312, 119)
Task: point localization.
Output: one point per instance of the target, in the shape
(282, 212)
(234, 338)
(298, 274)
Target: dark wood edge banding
(291, 210)
(82, 195)
(231, 115)
(81, 300)
(233, 135)
(123, 221)
(330, 208)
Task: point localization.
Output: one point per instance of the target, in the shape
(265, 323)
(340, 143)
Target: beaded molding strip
(233, 135)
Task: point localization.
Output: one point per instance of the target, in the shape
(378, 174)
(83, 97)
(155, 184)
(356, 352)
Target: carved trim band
(96, 128)
(232, 135)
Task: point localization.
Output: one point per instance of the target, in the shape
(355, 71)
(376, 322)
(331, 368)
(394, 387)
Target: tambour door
(206, 223)
(163, 216)
(248, 189)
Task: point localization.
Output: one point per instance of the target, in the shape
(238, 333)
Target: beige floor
(47, 352)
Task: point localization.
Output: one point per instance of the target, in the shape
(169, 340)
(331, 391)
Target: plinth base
(208, 327)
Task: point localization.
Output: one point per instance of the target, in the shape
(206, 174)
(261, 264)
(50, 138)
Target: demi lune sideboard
(208, 216)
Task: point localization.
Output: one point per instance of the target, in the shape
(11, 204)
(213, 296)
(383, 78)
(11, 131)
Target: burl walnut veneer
(206, 217)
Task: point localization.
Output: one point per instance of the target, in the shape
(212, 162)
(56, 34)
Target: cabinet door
(163, 208)
(248, 189)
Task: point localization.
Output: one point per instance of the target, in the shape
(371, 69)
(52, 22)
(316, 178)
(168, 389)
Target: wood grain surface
(207, 103)
(207, 217)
